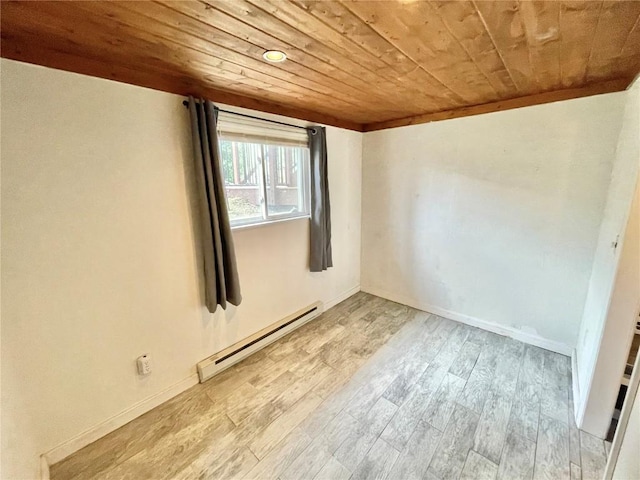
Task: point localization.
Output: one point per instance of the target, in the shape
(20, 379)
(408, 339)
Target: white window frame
(236, 127)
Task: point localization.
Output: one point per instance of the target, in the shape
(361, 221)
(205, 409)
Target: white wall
(601, 388)
(611, 301)
(99, 262)
(492, 219)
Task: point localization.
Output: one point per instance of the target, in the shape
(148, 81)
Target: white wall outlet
(144, 365)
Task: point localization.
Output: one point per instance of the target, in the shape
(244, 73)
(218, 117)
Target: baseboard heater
(222, 360)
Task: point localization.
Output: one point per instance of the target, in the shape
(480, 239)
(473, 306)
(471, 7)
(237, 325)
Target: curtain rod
(186, 104)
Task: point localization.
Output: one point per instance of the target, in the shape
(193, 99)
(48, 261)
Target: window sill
(251, 226)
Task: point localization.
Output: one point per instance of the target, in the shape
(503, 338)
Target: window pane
(266, 178)
(242, 170)
(286, 172)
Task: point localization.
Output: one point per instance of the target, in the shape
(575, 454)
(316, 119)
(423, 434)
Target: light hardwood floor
(369, 390)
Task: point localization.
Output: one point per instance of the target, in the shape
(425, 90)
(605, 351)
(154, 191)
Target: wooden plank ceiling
(362, 65)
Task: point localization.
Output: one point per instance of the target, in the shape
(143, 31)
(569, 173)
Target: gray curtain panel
(220, 270)
(320, 257)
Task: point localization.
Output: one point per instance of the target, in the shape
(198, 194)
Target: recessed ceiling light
(274, 56)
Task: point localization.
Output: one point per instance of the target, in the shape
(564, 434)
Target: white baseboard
(89, 436)
(511, 332)
(341, 298)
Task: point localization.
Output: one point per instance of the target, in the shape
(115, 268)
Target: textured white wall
(99, 262)
(494, 217)
(613, 298)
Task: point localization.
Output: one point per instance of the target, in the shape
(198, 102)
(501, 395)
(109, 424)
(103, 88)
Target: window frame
(304, 183)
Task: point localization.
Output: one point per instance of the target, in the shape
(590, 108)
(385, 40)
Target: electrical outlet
(144, 365)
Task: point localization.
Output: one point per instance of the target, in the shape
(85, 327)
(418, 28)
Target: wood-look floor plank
(552, 450)
(406, 419)
(442, 403)
(378, 462)
(508, 367)
(247, 404)
(532, 370)
(337, 432)
(308, 463)
(576, 472)
(409, 371)
(315, 343)
(457, 439)
(333, 383)
(593, 457)
(286, 398)
(355, 446)
(418, 331)
(402, 425)
(414, 459)
(554, 398)
(270, 436)
(333, 470)
(371, 391)
(517, 459)
(463, 365)
(478, 386)
(525, 411)
(492, 427)
(279, 459)
(235, 467)
(330, 408)
(478, 467)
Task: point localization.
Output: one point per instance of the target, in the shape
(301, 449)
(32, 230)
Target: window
(265, 168)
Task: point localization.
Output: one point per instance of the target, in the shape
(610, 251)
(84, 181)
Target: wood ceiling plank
(617, 21)
(526, 101)
(418, 32)
(24, 48)
(204, 52)
(47, 42)
(578, 23)
(350, 26)
(366, 61)
(342, 46)
(47, 21)
(340, 81)
(30, 52)
(503, 22)
(629, 58)
(541, 23)
(381, 81)
(463, 22)
(209, 77)
(289, 71)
